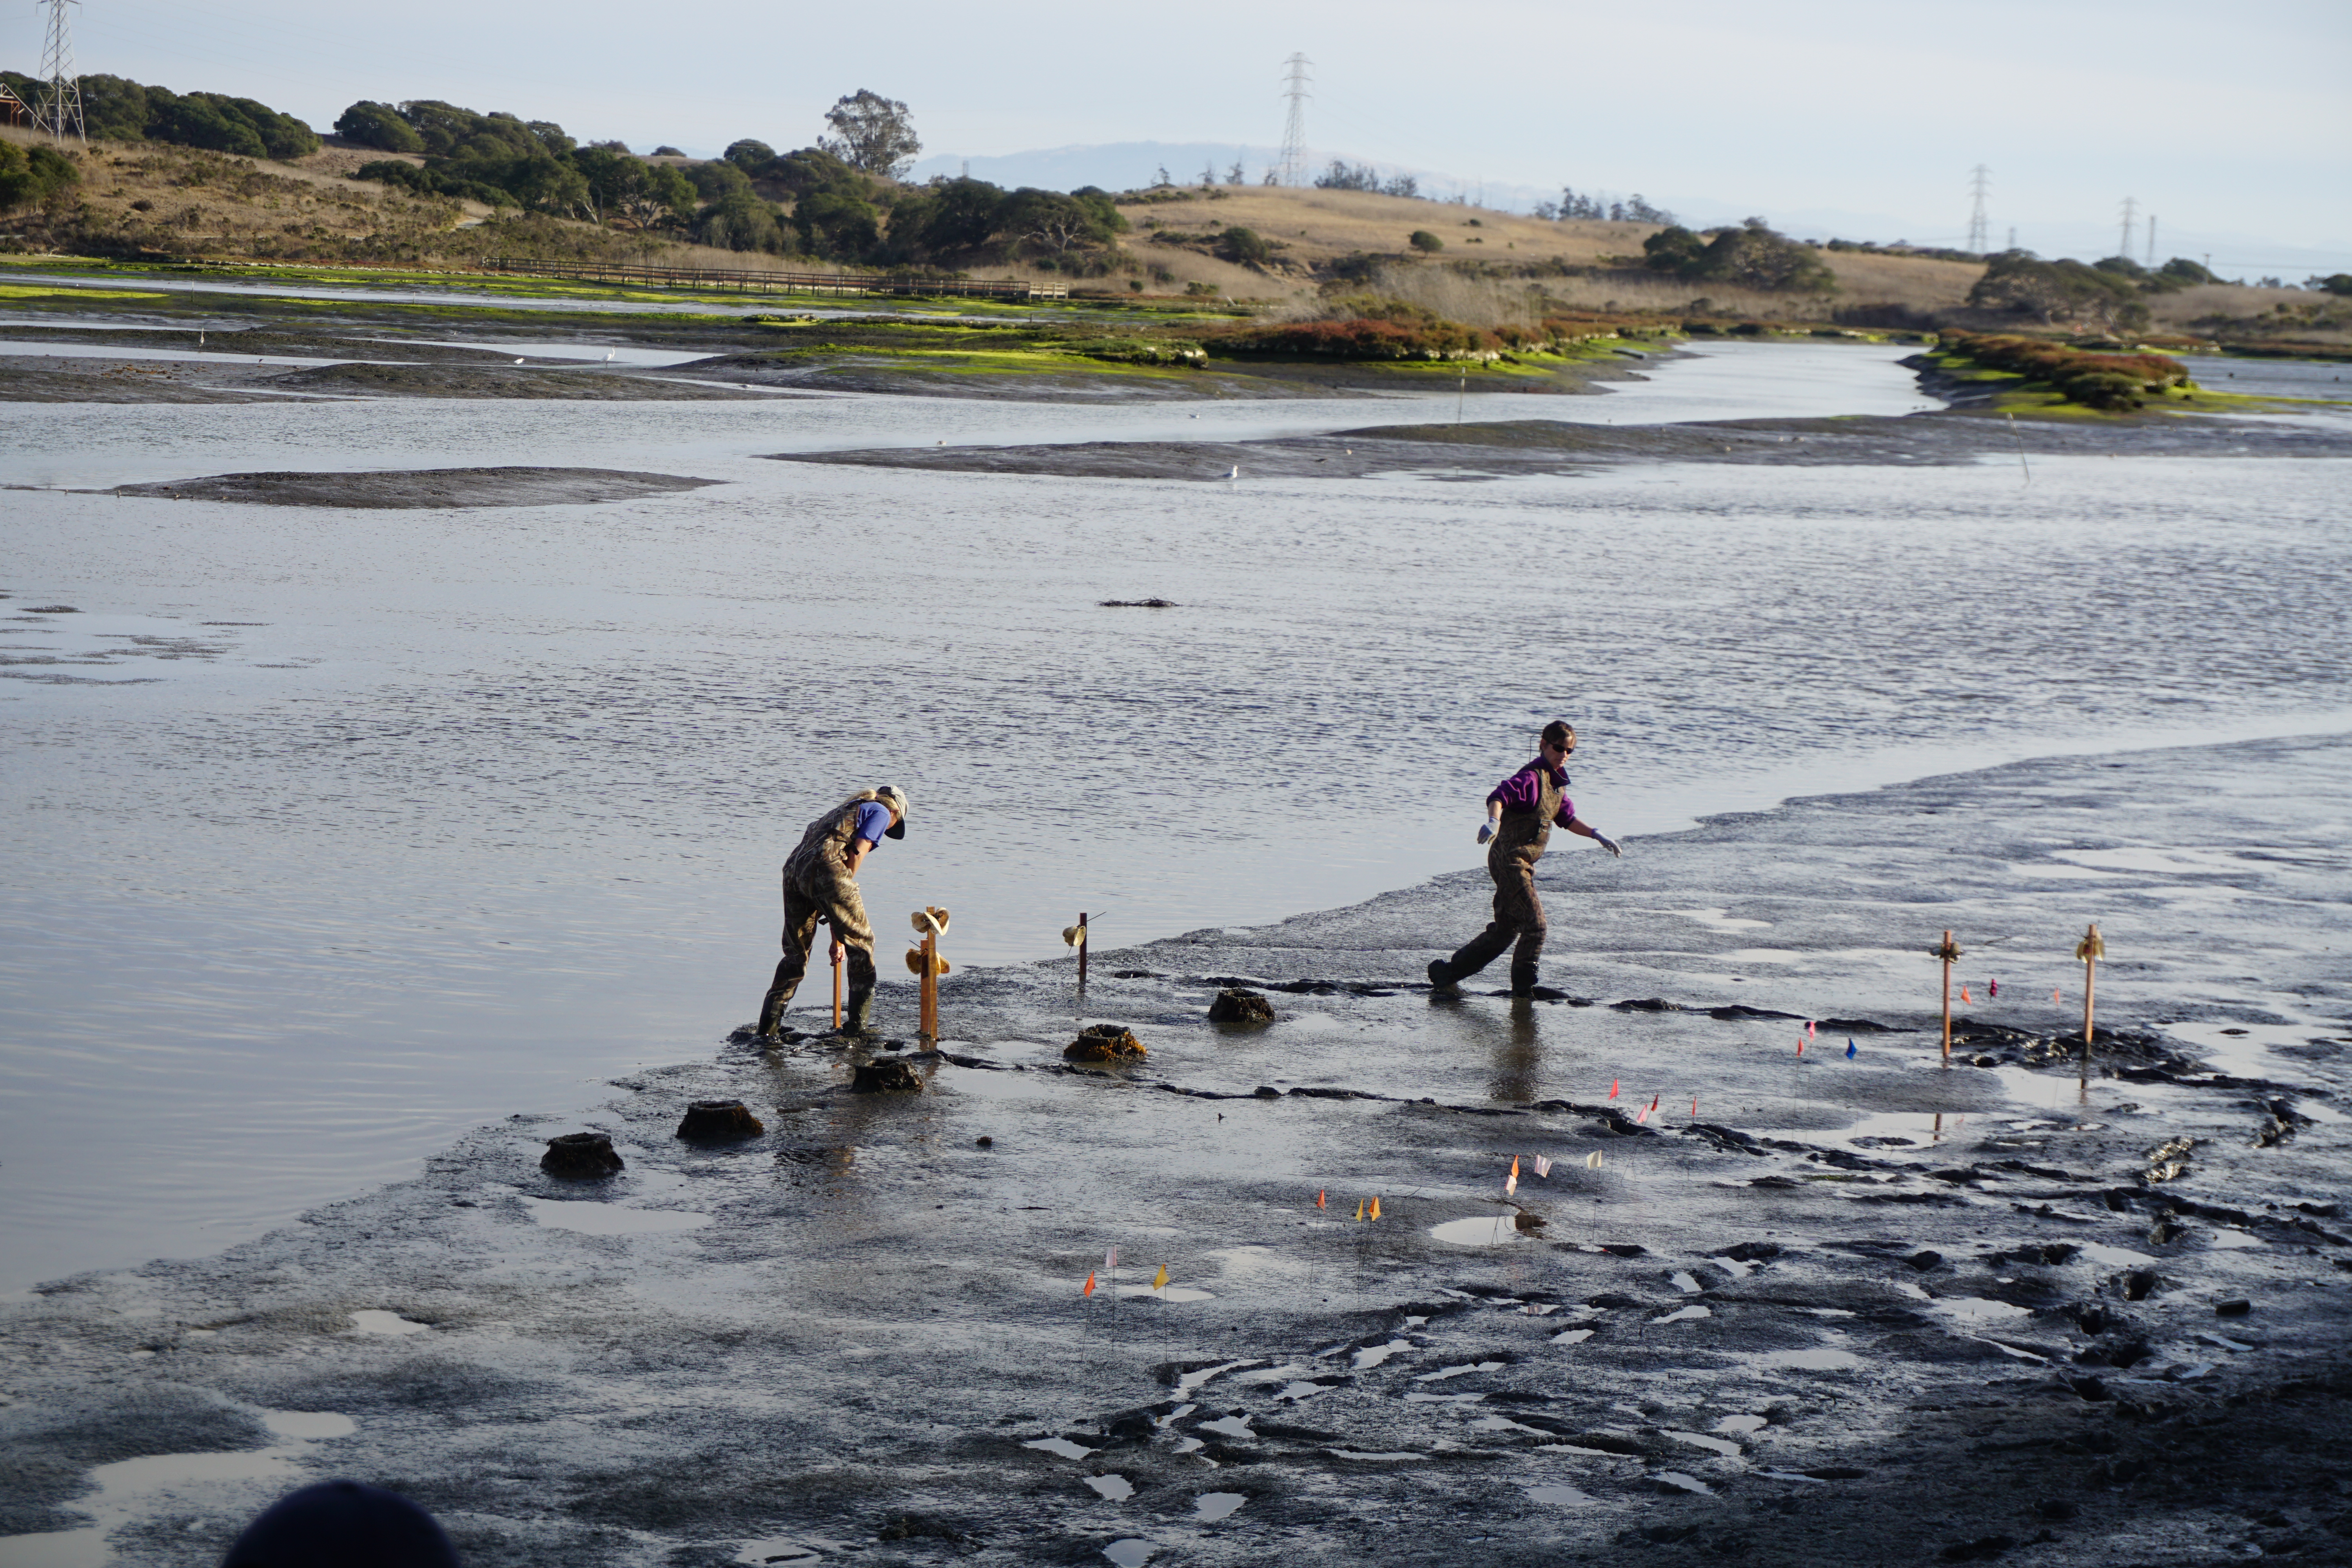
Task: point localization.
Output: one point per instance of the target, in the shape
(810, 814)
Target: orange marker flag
(2054, 995)
(1359, 1208)
(1694, 1108)
(1964, 994)
(1159, 1280)
(1376, 1208)
(1088, 1289)
(1800, 1045)
(1654, 1103)
(1612, 1089)
(1320, 1196)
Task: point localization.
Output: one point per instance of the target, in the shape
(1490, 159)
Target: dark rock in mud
(1528, 1224)
(2236, 1307)
(404, 488)
(1923, 1261)
(1235, 1005)
(1138, 603)
(1104, 1043)
(2139, 1284)
(1983, 1549)
(893, 1077)
(580, 1156)
(1647, 1004)
(719, 1121)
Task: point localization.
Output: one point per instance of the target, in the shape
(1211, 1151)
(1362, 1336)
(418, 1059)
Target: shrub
(1752, 256)
(2094, 380)
(749, 154)
(2336, 283)
(1363, 337)
(1245, 246)
(32, 174)
(378, 125)
(1428, 244)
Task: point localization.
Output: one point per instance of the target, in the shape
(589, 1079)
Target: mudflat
(418, 487)
(1765, 1306)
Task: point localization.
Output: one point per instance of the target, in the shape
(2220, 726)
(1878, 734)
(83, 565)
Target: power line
(1980, 182)
(59, 112)
(1294, 128)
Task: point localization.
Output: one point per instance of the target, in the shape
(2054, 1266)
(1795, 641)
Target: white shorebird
(1235, 472)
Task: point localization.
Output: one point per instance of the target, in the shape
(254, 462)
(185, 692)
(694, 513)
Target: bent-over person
(821, 884)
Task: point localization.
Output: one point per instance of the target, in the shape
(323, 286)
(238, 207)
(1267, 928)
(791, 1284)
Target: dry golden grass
(1317, 227)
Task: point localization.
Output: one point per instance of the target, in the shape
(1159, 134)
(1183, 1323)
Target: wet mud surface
(1869, 1308)
(1501, 450)
(419, 488)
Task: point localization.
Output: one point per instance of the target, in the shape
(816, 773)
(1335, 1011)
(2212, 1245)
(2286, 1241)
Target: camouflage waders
(818, 887)
(1511, 857)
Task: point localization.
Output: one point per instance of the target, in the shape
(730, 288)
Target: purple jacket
(1523, 790)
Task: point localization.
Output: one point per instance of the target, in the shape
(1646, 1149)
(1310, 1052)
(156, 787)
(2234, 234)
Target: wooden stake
(930, 1028)
(1951, 955)
(834, 949)
(2090, 950)
(1082, 950)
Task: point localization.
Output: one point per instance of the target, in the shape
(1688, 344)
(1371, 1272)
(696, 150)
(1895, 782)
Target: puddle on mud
(611, 1219)
(1728, 1448)
(1686, 1282)
(1443, 1373)
(2224, 1237)
(1112, 1488)
(1686, 1315)
(375, 1321)
(1061, 1445)
(1735, 1425)
(1192, 1380)
(1482, 1231)
(1559, 1496)
(1373, 1355)
(1573, 1336)
(2114, 1257)
(1980, 1309)
(1373, 1458)
(1210, 1507)
(1688, 1483)
(1129, 1554)
(308, 1425)
(1236, 1427)
(776, 1548)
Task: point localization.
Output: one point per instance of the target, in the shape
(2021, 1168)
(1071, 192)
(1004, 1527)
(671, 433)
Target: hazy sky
(2233, 119)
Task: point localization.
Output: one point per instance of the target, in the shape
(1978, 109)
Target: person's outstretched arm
(1577, 825)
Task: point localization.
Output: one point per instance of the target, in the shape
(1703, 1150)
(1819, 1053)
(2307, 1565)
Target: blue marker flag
(1849, 1048)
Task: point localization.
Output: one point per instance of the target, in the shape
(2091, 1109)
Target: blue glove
(1607, 842)
(1486, 829)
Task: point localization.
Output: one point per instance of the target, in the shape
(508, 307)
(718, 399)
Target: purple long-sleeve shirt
(1523, 791)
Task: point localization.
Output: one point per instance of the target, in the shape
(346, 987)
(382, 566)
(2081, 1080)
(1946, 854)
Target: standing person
(821, 884)
(1520, 814)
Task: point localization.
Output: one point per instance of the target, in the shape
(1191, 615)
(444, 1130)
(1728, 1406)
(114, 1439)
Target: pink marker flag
(1640, 1115)
(1543, 1166)
(1694, 1108)
(1993, 988)
(1614, 1087)
(1511, 1182)
(1813, 1029)
(1110, 1261)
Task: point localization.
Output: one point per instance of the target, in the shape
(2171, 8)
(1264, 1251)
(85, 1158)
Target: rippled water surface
(332, 832)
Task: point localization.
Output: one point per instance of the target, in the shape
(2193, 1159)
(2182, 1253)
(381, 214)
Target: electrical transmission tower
(1979, 182)
(1294, 128)
(2131, 219)
(60, 111)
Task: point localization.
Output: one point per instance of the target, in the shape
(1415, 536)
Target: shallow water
(339, 831)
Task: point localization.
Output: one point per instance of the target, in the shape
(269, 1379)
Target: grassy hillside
(152, 199)
(1315, 231)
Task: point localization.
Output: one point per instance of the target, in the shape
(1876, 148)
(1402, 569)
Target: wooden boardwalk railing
(840, 283)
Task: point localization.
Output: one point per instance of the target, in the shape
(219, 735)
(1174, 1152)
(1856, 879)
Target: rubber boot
(1441, 976)
(1523, 980)
(857, 1014)
(772, 1018)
